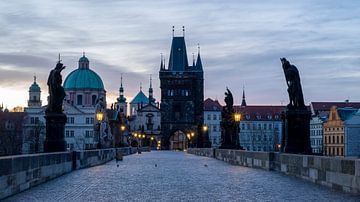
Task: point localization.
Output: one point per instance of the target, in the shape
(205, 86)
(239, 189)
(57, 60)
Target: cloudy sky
(241, 43)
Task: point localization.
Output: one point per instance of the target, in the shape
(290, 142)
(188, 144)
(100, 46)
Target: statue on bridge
(55, 118)
(296, 137)
(229, 128)
(294, 86)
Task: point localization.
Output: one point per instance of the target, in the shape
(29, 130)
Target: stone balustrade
(21, 172)
(337, 173)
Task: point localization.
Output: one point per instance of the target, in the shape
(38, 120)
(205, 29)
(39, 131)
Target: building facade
(261, 127)
(83, 87)
(182, 96)
(334, 130)
(212, 118)
(316, 134)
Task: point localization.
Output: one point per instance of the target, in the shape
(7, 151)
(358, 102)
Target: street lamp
(237, 117)
(205, 128)
(99, 118)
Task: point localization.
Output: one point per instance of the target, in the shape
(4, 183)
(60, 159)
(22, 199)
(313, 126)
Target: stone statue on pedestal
(55, 118)
(296, 137)
(229, 128)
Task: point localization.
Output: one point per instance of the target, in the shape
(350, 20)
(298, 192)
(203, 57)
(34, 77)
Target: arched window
(93, 99)
(79, 99)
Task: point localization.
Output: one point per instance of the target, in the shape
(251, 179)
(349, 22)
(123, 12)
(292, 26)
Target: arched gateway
(178, 141)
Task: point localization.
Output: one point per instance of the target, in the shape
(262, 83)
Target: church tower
(121, 100)
(34, 95)
(182, 95)
(243, 102)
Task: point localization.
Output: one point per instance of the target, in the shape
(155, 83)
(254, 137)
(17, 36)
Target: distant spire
(121, 81)
(121, 98)
(173, 30)
(193, 59)
(34, 78)
(150, 81)
(151, 98)
(83, 53)
(140, 86)
(183, 29)
(198, 60)
(243, 103)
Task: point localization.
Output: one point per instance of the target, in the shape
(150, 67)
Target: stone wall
(208, 152)
(338, 173)
(21, 172)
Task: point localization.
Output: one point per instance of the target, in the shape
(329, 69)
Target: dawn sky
(241, 43)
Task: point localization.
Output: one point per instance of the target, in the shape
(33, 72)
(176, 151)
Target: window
(243, 126)
(87, 133)
(270, 126)
(215, 128)
(36, 120)
(71, 133)
(214, 117)
(209, 117)
(92, 120)
(259, 126)
(32, 120)
(342, 139)
(87, 120)
(337, 139)
(93, 99)
(79, 99)
(67, 133)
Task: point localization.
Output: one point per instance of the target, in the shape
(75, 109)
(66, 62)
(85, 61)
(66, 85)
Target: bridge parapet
(21, 172)
(337, 173)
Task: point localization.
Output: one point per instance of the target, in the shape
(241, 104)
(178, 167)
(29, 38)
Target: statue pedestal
(55, 128)
(297, 131)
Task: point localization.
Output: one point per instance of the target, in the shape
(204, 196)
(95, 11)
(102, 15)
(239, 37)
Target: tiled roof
(260, 113)
(325, 106)
(140, 98)
(212, 105)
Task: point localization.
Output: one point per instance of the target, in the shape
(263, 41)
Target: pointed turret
(34, 95)
(193, 60)
(243, 103)
(198, 60)
(162, 64)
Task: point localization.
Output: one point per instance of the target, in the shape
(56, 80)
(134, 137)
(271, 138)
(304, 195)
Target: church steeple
(243, 103)
(151, 97)
(121, 97)
(162, 64)
(34, 95)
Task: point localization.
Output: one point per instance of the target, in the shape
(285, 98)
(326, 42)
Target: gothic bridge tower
(182, 96)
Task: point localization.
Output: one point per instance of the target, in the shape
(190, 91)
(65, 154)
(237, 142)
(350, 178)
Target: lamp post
(237, 119)
(99, 118)
(122, 130)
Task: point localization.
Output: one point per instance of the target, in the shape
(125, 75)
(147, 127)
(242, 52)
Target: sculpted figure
(229, 100)
(56, 91)
(294, 86)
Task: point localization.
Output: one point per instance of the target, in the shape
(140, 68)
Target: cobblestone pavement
(177, 177)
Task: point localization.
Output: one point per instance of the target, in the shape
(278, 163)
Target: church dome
(83, 77)
(34, 88)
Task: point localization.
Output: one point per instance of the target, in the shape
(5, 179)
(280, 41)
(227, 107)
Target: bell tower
(34, 95)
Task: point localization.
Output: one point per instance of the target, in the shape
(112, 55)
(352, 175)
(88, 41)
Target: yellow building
(334, 130)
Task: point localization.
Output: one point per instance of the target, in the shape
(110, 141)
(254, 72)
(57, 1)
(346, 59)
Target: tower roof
(34, 87)
(178, 57)
(140, 98)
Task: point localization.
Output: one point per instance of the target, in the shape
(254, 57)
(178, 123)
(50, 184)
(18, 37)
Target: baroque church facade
(182, 96)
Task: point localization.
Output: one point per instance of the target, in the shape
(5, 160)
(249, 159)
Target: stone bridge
(177, 176)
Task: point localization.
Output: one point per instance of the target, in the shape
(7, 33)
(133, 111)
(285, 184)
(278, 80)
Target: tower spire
(34, 78)
(193, 59)
(83, 53)
(183, 29)
(243, 103)
(140, 86)
(151, 97)
(121, 98)
(198, 60)
(173, 30)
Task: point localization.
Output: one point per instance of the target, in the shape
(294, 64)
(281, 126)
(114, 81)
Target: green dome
(34, 88)
(83, 79)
